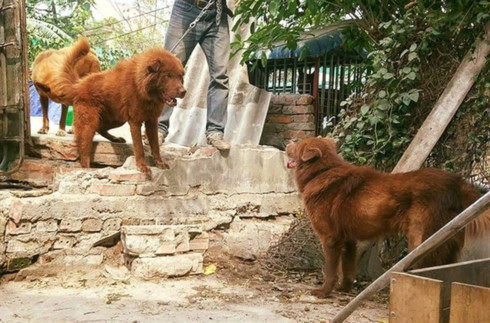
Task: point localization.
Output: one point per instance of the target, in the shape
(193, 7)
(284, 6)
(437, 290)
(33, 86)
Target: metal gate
(13, 84)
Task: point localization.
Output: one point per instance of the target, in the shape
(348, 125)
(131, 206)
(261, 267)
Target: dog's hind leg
(62, 125)
(349, 259)
(104, 133)
(86, 121)
(332, 250)
(44, 106)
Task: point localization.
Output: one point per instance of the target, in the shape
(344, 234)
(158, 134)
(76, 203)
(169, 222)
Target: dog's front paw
(345, 286)
(161, 164)
(320, 292)
(145, 169)
(61, 133)
(43, 131)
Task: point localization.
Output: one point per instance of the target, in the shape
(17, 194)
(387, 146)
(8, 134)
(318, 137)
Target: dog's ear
(42, 87)
(310, 152)
(155, 67)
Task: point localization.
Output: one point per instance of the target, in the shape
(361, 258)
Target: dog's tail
(69, 77)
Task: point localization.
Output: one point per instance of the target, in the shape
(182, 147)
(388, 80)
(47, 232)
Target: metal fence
(329, 79)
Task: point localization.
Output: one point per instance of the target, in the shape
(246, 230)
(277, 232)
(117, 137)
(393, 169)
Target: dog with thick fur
(346, 204)
(133, 91)
(46, 70)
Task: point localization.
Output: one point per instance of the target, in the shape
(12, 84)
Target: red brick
(92, 225)
(304, 100)
(303, 109)
(16, 210)
(299, 134)
(279, 119)
(37, 172)
(304, 118)
(275, 108)
(113, 189)
(127, 176)
(70, 225)
(22, 228)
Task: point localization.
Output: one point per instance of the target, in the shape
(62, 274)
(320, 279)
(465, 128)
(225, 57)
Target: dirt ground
(235, 292)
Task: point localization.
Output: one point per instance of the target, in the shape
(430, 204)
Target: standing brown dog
(347, 203)
(134, 91)
(46, 70)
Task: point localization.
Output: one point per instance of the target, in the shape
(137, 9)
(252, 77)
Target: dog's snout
(182, 93)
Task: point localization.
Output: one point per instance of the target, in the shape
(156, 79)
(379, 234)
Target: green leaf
(388, 76)
(264, 59)
(414, 96)
(413, 47)
(406, 100)
(382, 94)
(412, 56)
(383, 105)
(364, 109)
(412, 76)
(274, 6)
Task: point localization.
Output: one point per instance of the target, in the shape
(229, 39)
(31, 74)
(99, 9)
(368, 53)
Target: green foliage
(414, 48)
(54, 24)
(285, 21)
(409, 66)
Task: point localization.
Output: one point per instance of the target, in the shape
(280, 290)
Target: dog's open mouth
(291, 164)
(169, 100)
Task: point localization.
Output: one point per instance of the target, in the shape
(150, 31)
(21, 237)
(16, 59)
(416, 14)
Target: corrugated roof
(318, 42)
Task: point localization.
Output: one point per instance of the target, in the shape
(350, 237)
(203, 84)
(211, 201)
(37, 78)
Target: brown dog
(134, 91)
(46, 70)
(347, 203)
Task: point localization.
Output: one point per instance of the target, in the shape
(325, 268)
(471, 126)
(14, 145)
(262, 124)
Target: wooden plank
(469, 303)
(473, 272)
(415, 299)
(437, 239)
(445, 108)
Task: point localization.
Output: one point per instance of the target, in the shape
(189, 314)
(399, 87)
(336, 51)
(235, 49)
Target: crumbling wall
(244, 200)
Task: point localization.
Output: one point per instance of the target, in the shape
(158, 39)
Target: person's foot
(216, 140)
(162, 134)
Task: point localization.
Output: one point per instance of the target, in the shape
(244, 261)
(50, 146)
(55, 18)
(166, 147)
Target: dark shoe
(216, 140)
(162, 134)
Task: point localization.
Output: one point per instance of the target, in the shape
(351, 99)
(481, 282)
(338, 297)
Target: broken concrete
(234, 197)
(162, 267)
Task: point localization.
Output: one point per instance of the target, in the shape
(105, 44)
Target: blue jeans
(215, 43)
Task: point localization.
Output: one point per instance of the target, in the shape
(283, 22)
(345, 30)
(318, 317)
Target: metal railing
(330, 79)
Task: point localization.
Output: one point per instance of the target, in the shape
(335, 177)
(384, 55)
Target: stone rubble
(238, 203)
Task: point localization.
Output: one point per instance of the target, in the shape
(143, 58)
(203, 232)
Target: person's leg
(182, 15)
(216, 47)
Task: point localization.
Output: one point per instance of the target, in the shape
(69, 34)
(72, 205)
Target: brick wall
(290, 116)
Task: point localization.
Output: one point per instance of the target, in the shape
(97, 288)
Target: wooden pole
(438, 238)
(445, 107)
